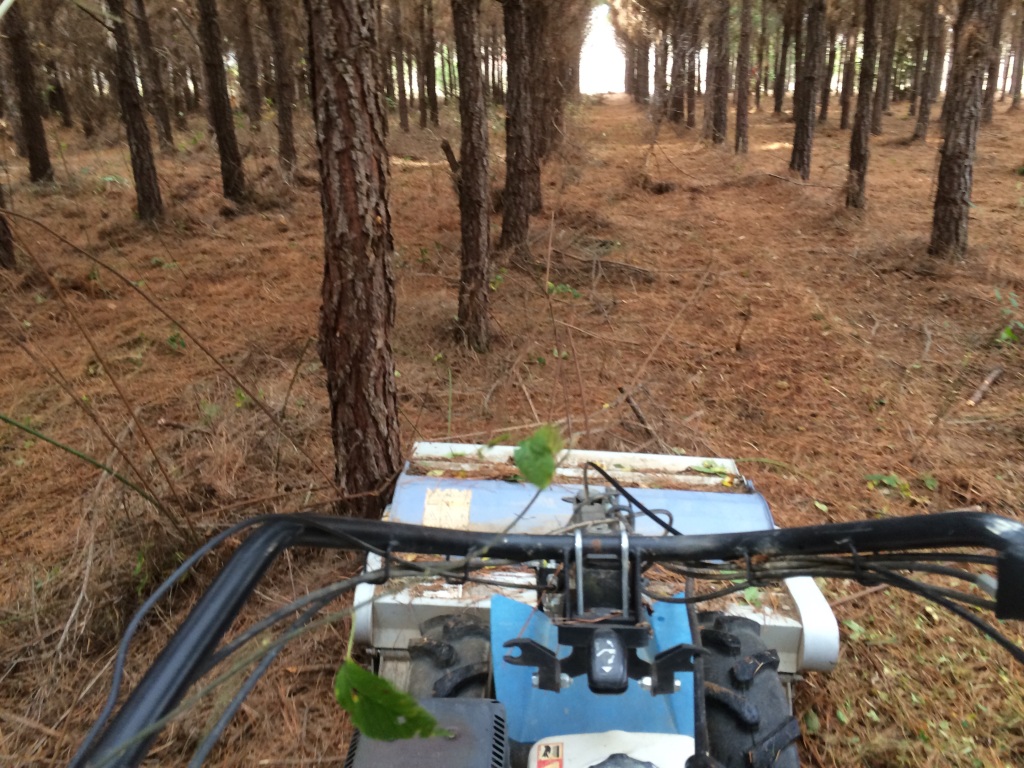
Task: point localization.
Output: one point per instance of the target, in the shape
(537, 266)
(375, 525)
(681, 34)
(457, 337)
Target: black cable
(136, 621)
(204, 749)
(618, 487)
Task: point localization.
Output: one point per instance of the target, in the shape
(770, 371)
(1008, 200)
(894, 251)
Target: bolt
(646, 683)
(564, 681)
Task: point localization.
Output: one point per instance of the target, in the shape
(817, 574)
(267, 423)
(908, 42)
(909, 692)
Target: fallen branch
(985, 386)
(859, 595)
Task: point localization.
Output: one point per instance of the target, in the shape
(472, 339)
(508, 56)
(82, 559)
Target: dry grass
(750, 316)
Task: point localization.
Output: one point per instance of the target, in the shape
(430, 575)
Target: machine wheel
(451, 658)
(748, 715)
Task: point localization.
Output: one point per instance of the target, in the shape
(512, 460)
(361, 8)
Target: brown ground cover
(749, 314)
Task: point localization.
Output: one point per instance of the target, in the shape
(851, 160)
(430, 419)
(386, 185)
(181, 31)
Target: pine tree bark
(932, 70)
(12, 111)
(248, 69)
(779, 90)
(762, 46)
(149, 204)
(399, 48)
(429, 49)
(58, 96)
(474, 185)
(218, 103)
(830, 68)
(995, 51)
(963, 98)
(520, 162)
(643, 70)
(856, 196)
(29, 101)
(919, 45)
(284, 88)
(1018, 59)
(358, 313)
(890, 25)
(152, 80)
(849, 73)
(716, 104)
(743, 75)
(7, 260)
(421, 64)
(808, 85)
(694, 18)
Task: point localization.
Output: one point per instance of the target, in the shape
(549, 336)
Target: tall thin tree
(219, 104)
(358, 313)
(520, 162)
(284, 87)
(474, 186)
(807, 90)
(30, 103)
(153, 81)
(932, 69)
(716, 99)
(856, 179)
(399, 49)
(960, 128)
(149, 204)
(1018, 58)
(743, 75)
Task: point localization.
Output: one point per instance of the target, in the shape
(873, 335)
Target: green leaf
(535, 456)
(812, 723)
(821, 507)
(752, 595)
(377, 709)
(856, 630)
(930, 482)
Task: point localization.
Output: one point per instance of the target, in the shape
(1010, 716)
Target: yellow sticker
(447, 508)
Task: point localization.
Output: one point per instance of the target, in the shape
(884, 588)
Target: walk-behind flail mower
(639, 611)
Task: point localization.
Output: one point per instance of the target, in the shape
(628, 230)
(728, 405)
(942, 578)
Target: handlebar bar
(185, 658)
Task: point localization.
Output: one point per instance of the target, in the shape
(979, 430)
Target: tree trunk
(520, 162)
(629, 84)
(643, 70)
(429, 48)
(859, 150)
(152, 80)
(358, 312)
(248, 69)
(681, 56)
(147, 188)
(995, 52)
(474, 185)
(29, 102)
(830, 69)
(890, 24)
(693, 70)
(940, 59)
(7, 260)
(284, 87)
(716, 100)
(810, 69)
(779, 91)
(932, 70)
(421, 65)
(58, 96)
(762, 45)
(919, 44)
(963, 98)
(1018, 59)
(743, 75)
(399, 48)
(218, 103)
(849, 74)
(12, 111)
(660, 70)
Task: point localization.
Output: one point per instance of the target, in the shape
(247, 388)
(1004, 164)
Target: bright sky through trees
(602, 65)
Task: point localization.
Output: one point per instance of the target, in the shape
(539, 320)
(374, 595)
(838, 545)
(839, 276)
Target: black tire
(749, 722)
(451, 658)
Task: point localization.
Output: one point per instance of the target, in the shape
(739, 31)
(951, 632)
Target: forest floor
(749, 314)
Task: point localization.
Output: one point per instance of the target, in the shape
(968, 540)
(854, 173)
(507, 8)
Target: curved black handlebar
(185, 657)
